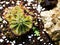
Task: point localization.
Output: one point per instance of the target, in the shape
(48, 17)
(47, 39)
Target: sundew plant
(19, 22)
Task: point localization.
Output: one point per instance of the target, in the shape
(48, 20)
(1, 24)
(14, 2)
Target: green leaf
(36, 31)
(13, 25)
(17, 31)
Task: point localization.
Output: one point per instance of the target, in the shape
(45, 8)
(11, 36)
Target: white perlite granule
(0, 19)
(3, 37)
(1, 7)
(1, 40)
(7, 2)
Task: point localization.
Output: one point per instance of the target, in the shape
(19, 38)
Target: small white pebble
(14, 41)
(11, 43)
(18, 2)
(1, 33)
(7, 41)
(47, 32)
(10, 7)
(43, 32)
(23, 42)
(34, 7)
(25, 4)
(4, 37)
(38, 15)
(2, 2)
(29, 37)
(44, 29)
(7, 2)
(29, 3)
(35, 14)
(43, 9)
(39, 8)
(51, 44)
(4, 5)
(36, 23)
(1, 26)
(28, 7)
(0, 19)
(1, 7)
(32, 35)
(1, 40)
(38, 38)
(39, 20)
(19, 44)
(33, 40)
(4, 21)
(41, 39)
(13, 2)
(44, 43)
(35, 4)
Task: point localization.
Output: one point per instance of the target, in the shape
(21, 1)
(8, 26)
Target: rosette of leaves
(19, 22)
